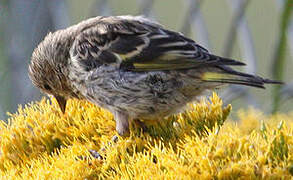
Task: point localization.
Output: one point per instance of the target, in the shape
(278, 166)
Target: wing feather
(138, 44)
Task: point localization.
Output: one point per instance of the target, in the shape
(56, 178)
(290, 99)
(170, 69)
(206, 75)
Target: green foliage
(279, 63)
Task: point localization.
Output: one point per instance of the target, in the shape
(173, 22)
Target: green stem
(280, 53)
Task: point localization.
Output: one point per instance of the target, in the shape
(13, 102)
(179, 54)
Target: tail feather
(230, 76)
(239, 82)
(269, 81)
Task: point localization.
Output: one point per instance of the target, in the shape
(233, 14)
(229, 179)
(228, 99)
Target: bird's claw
(95, 154)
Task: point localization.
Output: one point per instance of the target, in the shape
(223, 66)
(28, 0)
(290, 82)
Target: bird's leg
(122, 127)
(122, 123)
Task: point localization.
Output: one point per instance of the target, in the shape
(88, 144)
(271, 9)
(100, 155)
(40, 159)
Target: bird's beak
(61, 102)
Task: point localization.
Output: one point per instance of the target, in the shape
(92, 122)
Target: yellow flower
(41, 143)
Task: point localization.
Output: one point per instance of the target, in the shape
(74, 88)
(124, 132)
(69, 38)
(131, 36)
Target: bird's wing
(138, 44)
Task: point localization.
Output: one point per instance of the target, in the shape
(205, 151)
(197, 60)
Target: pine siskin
(132, 66)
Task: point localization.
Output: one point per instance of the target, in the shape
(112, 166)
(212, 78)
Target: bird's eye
(47, 87)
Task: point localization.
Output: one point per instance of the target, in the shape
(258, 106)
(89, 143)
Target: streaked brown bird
(132, 66)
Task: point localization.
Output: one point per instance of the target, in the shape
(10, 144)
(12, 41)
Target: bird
(132, 66)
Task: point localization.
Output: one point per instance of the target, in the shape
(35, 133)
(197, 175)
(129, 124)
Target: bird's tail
(227, 75)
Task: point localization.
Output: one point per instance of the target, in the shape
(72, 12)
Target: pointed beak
(61, 102)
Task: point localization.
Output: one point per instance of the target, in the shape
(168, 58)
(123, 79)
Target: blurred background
(259, 33)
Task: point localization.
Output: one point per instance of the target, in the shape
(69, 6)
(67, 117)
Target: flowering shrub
(39, 142)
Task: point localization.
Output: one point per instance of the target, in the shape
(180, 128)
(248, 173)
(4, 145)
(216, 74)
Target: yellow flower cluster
(39, 142)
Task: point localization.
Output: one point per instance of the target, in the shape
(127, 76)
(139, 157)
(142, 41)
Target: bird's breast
(141, 94)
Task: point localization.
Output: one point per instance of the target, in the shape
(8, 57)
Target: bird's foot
(95, 154)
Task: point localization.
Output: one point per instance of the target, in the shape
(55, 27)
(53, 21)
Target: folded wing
(137, 44)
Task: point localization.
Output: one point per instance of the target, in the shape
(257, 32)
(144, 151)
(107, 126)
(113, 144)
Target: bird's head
(48, 67)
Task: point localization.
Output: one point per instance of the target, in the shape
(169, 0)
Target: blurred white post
(194, 22)
(145, 8)
(240, 28)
